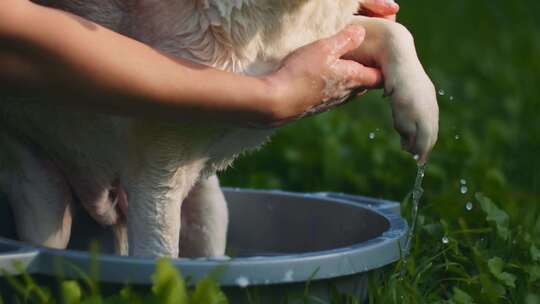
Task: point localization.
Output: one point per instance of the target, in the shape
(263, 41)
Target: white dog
(52, 156)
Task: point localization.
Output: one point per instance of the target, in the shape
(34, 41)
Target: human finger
(358, 75)
(369, 13)
(379, 8)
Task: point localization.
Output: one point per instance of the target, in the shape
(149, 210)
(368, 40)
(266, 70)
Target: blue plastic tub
(278, 241)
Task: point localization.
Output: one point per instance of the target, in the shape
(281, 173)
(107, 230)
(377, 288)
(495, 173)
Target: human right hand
(315, 78)
(386, 9)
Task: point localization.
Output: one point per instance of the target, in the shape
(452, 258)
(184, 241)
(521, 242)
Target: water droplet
(416, 157)
(243, 282)
(288, 277)
(445, 240)
(442, 92)
(377, 130)
(451, 98)
(464, 190)
(463, 181)
(201, 259)
(221, 258)
(372, 135)
(457, 137)
(469, 206)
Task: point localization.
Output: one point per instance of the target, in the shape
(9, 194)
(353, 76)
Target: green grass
(168, 288)
(485, 55)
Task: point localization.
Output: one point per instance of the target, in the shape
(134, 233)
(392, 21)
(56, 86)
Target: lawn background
(485, 56)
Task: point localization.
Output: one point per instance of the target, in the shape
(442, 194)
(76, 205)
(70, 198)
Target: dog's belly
(89, 149)
(94, 151)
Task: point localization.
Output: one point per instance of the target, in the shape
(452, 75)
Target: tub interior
(261, 224)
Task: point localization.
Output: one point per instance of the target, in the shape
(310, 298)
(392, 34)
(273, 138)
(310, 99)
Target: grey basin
(278, 241)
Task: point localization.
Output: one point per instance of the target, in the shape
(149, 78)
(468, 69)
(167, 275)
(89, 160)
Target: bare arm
(78, 63)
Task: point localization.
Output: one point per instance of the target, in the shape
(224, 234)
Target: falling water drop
(464, 190)
(469, 206)
(445, 240)
(457, 137)
(442, 92)
(463, 181)
(417, 193)
(372, 136)
(451, 98)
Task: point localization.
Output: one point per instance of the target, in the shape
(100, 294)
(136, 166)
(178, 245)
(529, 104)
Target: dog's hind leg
(38, 193)
(204, 220)
(120, 227)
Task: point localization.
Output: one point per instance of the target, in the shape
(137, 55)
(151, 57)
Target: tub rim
(316, 265)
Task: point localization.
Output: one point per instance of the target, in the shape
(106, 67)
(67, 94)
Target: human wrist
(270, 102)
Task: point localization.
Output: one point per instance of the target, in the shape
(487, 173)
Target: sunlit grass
(485, 56)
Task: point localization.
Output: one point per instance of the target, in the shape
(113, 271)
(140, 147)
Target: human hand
(379, 8)
(314, 78)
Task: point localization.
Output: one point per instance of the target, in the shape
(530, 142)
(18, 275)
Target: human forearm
(76, 62)
(79, 63)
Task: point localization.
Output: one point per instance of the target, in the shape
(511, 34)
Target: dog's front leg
(153, 216)
(390, 46)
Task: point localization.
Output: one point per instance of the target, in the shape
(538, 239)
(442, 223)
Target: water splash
(221, 258)
(288, 277)
(417, 193)
(242, 282)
